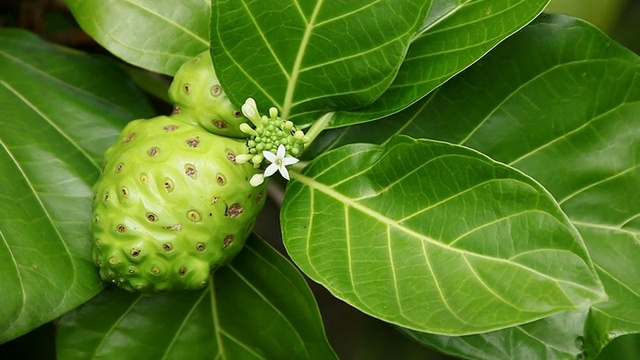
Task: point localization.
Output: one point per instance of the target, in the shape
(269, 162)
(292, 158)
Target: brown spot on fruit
(119, 167)
(176, 110)
(167, 247)
(170, 128)
(152, 217)
(200, 246)
(155, 270)
(121, 228)
(135, 252)
(216, 90)
(168, 185)
(193, 142)
(106, 197)
(219, 124)
(129, 137)
(227, 241)
(190, 171)
(186, 88)
(175, 227)
(194, 216)
(221, 179)
(234, 210)
(231, 156)
(124, 192)
(153, 151)
(182, 271)
(237, 114)
(214, 200)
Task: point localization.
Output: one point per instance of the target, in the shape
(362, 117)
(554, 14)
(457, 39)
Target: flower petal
(284, 172)
(271, 169)
(281, 151)
(289, 161)
(270, 156)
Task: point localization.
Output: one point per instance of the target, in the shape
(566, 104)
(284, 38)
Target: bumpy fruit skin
(171, 206)
(197, 93)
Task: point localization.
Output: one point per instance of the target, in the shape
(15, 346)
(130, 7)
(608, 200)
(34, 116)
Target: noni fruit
(196, 92)
(171, 206)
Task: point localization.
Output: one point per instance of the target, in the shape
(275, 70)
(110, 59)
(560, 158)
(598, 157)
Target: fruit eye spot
(129, 137)
(173, 227)
(219, 124)
(168, 185)
(221, 179)
(182, 271)
(234, 210)
(132, 270)
(124, 191)
(237, 114)
(259, 197)
(106, 197)
(214, 199)
(135, 252)
(113, 260)
(144, 179)
(167, 247)
(170, 128)
(176, 110)
(153, 151)
(155, 270)
(216, 90)
(186, 88)
(231, 156)
(200, 246)
(190, 171)
(227, 241)
(152, 217)
(121, 228)
(194, 216)
(119, 167)
(96, 220)
(193, 142)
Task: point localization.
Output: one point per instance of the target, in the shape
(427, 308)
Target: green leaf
(555, 337)
(58, 112)
(155, 35)
(456, 34)
(257, 307)
(306, 58)
(560, 101)
(435, 237)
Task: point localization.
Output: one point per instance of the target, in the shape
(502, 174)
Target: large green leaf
(560, 101)
(456, 34)
(257, 307)
(58, 112)
(435, 237)
(309, 57)
(155, 35)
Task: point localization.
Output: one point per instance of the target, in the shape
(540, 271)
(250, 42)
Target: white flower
(278, 162)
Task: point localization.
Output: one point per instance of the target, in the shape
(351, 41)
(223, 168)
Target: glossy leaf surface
(455, 35)
(435, 237)
(257, 307)
(309, 57)
(155, 35)
(58, 113)
(560, 101)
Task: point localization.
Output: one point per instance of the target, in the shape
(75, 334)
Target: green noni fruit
(171, 206)
(196, 92)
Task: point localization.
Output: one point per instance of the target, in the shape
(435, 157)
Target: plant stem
(318, 126)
